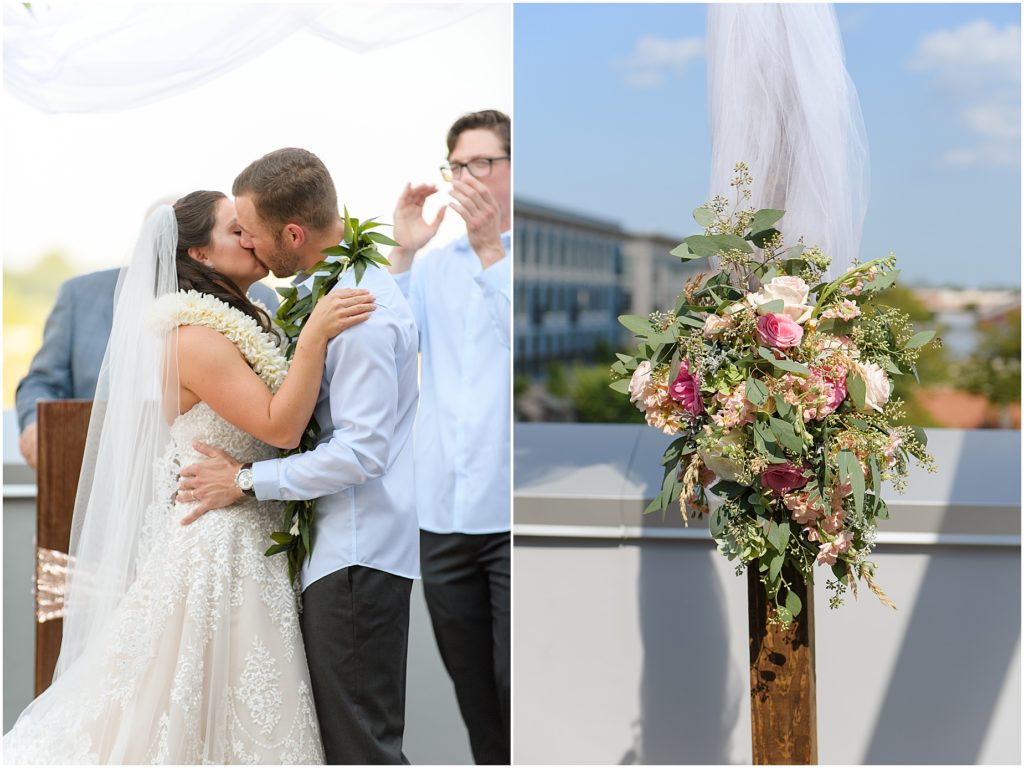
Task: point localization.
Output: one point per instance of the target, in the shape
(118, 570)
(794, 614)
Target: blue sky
(611, 120)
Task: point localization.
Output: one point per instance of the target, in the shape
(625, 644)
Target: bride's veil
(128, 434)
(781, 100)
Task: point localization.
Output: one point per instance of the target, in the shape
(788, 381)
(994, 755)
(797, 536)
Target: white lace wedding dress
(203, 661)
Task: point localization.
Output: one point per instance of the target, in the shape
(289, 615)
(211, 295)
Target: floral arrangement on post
(777, 382)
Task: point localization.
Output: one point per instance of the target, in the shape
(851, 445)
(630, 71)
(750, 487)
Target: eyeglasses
(478, 168)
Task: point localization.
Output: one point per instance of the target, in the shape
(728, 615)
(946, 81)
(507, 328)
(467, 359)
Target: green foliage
(357, 251)
(994, 368)
(594, 402)
(555, 381)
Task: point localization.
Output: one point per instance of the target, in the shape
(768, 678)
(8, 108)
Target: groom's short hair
(489, 119)
(290, 185)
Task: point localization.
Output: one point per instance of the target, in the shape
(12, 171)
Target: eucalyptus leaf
(757, 392)
(764, 431)
(729, 489)
(775, 566)
(693, 322)
(919, 339)
(764, 218)
(793, 603)
(622, 385)
(785, 435)
(778, 535)
(717, 521)
(684, 253)
(921, 435)
(876, 482)
(638, 324)
(704, 216)
(782, 365)
(760, 239)
(857, 389)
(772, 307)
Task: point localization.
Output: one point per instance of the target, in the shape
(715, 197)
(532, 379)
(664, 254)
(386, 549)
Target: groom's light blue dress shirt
(463, 430)
(361, 471)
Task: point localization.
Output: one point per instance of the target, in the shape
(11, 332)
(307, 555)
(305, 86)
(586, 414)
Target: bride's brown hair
(196, 214)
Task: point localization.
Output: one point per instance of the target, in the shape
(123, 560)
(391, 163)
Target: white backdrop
(372, 102)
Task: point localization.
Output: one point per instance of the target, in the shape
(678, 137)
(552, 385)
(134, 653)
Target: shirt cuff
(498, 276)
(265, 479)
(404, 279)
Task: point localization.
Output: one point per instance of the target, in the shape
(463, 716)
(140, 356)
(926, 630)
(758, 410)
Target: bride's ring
(192, 494)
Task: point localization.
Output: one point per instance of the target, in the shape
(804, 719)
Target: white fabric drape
(780, 100)
(85, 57)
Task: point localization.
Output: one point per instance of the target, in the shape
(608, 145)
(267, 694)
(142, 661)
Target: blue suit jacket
(67, 365)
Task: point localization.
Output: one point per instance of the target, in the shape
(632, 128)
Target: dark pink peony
(779, 331)
(783, 478)
(686, 390)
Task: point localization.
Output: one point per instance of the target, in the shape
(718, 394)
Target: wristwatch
(243, 479)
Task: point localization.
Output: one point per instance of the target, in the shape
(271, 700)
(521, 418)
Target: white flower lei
(261, 349)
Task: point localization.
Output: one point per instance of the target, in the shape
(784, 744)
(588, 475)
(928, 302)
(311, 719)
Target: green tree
(934, 366)
(594, 402)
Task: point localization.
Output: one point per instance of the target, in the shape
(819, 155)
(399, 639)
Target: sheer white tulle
(180, 644)
(780, 100)
(73, 57)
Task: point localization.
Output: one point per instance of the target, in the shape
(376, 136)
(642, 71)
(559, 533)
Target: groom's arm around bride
(357, 581)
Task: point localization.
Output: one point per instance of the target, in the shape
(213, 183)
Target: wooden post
(783, 709)
(63, 426)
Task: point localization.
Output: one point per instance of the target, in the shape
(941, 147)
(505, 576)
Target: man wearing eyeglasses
(460, 294)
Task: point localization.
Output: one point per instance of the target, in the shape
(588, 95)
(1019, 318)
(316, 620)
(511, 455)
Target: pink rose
(779, 331)
(783, 478)
(686, 390)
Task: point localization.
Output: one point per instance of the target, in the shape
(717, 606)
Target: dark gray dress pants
(466, 582)
(355, 626)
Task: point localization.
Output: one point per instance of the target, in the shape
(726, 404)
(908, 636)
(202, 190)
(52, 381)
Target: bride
(181, 643)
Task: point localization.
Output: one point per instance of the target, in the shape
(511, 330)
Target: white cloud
(996, 120)
(1005, 155)
(978, 66)
(654, 58)
(976, 49)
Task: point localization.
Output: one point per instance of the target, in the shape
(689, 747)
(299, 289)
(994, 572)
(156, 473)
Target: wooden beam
(63, 426)
(783, 706)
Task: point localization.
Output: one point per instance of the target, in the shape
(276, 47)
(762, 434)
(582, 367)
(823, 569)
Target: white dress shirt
(361, 471)
(463, 432)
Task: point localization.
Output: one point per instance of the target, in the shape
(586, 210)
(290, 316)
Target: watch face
(244, 479)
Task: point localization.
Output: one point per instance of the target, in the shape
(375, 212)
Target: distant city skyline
(611, 121)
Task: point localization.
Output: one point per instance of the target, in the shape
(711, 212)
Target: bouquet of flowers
(777, 382)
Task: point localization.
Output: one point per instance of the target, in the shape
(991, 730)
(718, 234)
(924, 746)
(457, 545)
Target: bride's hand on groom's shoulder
(338, 311)
(209, 484)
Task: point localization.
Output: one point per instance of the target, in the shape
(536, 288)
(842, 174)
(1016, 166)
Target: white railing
(630, 632)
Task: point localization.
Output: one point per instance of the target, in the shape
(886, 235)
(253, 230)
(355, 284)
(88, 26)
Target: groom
(356, 585)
